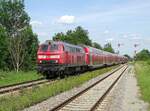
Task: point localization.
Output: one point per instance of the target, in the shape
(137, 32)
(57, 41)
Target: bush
(148, 62)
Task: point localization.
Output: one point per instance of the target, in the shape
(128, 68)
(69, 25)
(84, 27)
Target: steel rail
(58, 107)
(107, 91)
(11, 85)
(19, 86)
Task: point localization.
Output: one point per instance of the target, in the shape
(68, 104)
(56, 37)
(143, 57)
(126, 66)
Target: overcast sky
(117, 21)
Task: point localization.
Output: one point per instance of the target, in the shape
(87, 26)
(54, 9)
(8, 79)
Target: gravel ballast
(126, 95)
(56, 100)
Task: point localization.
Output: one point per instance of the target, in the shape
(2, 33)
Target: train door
(91, 57)
(87, 55)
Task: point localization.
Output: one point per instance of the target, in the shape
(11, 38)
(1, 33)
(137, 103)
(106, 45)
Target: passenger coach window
(63, 48)
(54, 47)
(44, 48)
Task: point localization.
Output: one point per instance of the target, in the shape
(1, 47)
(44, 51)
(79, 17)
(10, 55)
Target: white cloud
(35, 23)
(106, 31)
(132, 36)
(66, 19)
(125, 36)
(136, 38)
(109, 39)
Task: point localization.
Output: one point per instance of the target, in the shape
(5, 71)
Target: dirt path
(126, 96)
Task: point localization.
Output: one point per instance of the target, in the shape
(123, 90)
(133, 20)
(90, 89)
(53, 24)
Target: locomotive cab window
(44, 48)
(54, 47)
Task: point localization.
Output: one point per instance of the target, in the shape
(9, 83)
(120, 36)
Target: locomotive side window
(44, 48)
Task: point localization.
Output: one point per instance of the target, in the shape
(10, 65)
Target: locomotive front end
(49, 57)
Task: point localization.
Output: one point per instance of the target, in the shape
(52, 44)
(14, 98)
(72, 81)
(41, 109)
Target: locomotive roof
(60, 42)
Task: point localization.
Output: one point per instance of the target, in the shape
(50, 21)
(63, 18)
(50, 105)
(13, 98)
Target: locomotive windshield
(44, 48)
(53, 47)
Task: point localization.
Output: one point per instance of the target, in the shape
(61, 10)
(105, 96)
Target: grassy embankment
(37, 94)
(143, 76)
(7, 78)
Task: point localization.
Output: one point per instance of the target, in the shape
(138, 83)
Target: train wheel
(47, 76)
(50, 75)
(61, 74)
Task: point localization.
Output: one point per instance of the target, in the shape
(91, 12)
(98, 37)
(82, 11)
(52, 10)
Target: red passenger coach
(97, 58)
(94, 57)
(55, 58)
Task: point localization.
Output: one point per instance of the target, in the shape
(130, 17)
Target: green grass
(37, 94)
(143, 76)
(7, 78)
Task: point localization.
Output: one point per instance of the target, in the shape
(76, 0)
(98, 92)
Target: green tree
(126, 55)
(71, 37)
(77, 36)
(108, 48)
(16, 22)
(143, 55)
(59, 36)
(81, 36)
(96, 45)
(31, 50)
(3, 48)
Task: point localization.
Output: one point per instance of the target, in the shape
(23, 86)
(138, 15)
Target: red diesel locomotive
(57, 58)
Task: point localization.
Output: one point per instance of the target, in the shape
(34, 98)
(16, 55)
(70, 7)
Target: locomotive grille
(49, 61)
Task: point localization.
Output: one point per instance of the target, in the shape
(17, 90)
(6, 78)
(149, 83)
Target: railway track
(9, 89)
(90, 98)
(16, 87)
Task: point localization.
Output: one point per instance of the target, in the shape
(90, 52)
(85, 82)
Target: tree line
(18, 43)
(143, 55)
(80, 36)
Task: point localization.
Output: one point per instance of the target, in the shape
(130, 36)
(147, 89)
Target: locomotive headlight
(54, 56)
(41, 56)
